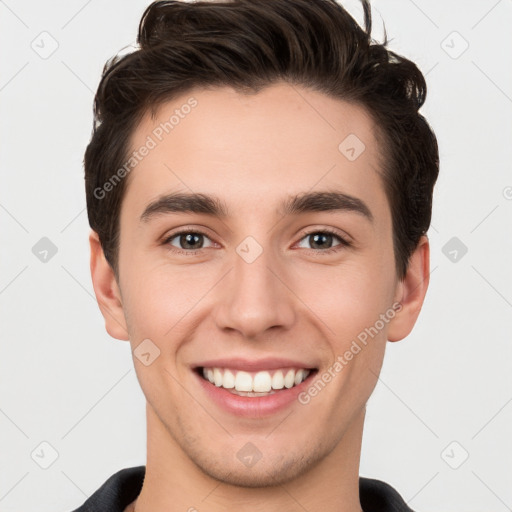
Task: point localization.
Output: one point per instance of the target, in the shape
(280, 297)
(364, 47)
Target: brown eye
(189, 240)
(322, 241)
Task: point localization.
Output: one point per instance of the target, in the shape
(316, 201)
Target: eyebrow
(180, 202)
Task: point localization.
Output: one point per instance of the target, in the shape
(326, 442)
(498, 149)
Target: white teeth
(278, 380)
(229, 380)
(260, 382)
(217, 377)
(299, 377)
(289, 379)
(208, 374)
(243, 381)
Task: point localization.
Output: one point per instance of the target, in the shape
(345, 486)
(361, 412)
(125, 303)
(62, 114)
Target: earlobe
(411, 292)
(107, 291)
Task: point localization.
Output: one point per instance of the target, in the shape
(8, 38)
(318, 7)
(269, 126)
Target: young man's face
(262, 287)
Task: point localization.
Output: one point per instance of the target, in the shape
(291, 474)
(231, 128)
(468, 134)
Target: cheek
(348, 298)
(158, 305)
(157, 299)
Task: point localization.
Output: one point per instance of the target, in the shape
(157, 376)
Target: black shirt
(124, 486)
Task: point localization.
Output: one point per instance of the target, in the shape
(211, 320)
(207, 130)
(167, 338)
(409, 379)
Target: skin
(295, 300)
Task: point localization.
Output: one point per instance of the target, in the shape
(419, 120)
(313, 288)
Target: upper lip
(239, 363)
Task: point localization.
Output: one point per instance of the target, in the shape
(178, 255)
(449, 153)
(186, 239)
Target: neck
(174, 483)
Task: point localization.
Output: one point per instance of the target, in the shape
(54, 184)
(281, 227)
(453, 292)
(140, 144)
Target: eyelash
(191, 252)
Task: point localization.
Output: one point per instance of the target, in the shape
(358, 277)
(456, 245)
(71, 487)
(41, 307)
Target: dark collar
(124, 486)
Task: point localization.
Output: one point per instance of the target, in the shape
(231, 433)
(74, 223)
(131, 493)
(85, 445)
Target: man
(259, 186)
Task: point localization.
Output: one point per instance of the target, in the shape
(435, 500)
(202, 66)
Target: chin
(266, 472)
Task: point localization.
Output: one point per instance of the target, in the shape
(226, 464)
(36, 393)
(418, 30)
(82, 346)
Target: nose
(255, 297)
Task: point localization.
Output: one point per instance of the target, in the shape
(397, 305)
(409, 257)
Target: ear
(411, 292)
(107, 291)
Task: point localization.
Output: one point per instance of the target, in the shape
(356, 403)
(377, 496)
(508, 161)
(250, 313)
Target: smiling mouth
(254, 384)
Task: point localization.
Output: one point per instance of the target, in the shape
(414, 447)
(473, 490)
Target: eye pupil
(191, 241)
(319, 239)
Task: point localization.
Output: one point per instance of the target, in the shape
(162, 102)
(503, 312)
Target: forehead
(283, 139)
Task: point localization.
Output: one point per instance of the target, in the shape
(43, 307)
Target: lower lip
(253, 407)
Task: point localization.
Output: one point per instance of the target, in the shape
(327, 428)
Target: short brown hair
(251, 44)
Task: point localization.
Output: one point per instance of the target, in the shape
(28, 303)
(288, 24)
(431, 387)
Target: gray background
(445, 392)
